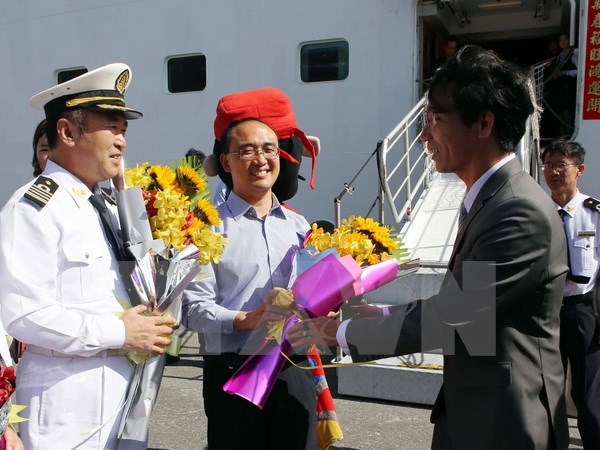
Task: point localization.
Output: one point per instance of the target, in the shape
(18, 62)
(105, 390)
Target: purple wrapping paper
(255, 379)
(321, 288)
(325, 286)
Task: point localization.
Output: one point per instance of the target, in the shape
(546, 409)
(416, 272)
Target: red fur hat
(272, 106)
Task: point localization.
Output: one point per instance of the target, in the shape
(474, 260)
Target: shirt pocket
(85, 273)
(584, 249)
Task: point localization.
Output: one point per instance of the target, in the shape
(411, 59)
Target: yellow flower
(367, 241)
(189, 181)
(211, 245)
(207, 213)
(138, 176)
(170, 218)
(164, 176)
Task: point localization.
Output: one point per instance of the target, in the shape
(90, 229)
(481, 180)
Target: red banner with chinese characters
(591, 82)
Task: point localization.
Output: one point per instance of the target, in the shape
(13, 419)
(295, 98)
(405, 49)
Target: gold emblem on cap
(122, 81)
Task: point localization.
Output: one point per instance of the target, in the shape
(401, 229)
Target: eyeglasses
(248, 154)
(561, 166)
(429, 116)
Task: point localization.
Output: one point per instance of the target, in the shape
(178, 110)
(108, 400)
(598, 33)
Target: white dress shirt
(581, 226)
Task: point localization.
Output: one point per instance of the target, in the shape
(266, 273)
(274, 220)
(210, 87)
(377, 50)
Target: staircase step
(387, 380)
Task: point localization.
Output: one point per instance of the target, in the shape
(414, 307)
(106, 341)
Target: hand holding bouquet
(323, 280)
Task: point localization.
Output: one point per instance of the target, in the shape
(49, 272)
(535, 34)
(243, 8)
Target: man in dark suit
(497, 313)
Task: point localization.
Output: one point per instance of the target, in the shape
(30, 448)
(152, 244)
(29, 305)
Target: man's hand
(146, 333)
(363, 311)
(250, 320)
(13, 442)
(319, 331)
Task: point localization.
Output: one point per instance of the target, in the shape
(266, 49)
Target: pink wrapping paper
(321, 288)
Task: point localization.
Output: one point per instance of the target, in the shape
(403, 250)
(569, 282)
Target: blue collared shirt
(256, 259)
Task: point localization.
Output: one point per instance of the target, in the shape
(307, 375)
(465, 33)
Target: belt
(581, 298)
(579, 279)
(53, 353)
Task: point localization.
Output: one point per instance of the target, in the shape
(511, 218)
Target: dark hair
(570, 149)
(75, 116)
(478, 81)
(197, 153)
(228, 133)
(40, 130)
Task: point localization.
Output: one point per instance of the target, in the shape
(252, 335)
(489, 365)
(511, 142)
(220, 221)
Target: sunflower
(207, 213)
(190, 181)
(164, 177)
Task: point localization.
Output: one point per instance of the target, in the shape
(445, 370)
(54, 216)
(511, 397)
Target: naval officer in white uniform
(579, 329)
(60, 287)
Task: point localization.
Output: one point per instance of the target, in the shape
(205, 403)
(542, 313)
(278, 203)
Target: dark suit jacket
(513, 397)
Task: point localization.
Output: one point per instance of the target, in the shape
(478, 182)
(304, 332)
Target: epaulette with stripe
(41, 191)
(592, 204)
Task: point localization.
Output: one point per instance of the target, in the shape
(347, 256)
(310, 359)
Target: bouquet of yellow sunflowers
(178, 208)
(366, 240)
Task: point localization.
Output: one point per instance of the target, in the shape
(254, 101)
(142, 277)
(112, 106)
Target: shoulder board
(108, 196)
(592, 204)
(41, 191)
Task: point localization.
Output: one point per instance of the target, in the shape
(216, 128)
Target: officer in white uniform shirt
(61, 290)
(579, 338)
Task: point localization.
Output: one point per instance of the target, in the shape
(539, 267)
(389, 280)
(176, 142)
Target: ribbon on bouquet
(321, 288)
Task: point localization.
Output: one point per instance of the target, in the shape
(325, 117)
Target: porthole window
(69, 74)
(324, 61)
(186, 73)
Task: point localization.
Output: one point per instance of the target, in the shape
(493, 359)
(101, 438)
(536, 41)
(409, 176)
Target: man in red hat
(274, 107)
(230, 306)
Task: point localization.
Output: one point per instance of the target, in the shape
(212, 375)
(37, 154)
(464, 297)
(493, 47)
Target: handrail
(536, 72)
(406, 134)
(532, 134)
(572, 15)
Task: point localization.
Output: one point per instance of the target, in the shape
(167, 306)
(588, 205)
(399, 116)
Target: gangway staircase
(424, 206)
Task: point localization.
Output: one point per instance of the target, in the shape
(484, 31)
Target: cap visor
(130, 114)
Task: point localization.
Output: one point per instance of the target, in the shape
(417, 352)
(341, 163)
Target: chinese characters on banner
(591, 95)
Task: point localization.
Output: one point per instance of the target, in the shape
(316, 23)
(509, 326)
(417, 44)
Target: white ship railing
(403, 164)
(536, 73)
